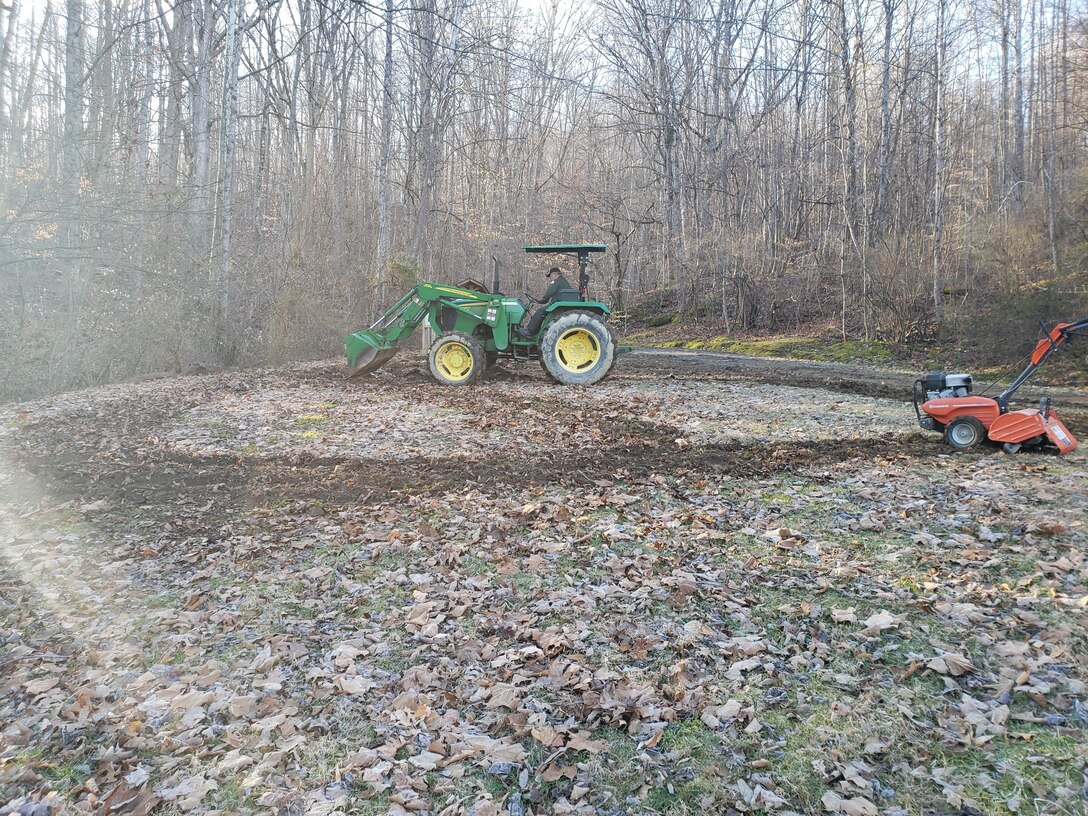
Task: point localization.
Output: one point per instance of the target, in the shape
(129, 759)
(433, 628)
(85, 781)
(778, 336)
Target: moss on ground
(797, 348)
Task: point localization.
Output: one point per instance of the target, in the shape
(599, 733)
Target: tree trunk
(938, 167)
(72, 157)
(385, 153)
(21, 109)
(1017, 169)
(225, 319)
(143, 154)
(200, 228)
(7, 35)
(876, 233)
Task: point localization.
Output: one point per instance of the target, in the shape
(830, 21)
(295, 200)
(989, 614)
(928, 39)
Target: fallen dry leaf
(881, 621)
(951, 664)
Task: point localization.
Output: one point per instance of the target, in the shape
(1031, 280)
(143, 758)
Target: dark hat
(555, 270)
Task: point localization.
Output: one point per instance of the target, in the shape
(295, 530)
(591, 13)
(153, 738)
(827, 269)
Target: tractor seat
(568, 294)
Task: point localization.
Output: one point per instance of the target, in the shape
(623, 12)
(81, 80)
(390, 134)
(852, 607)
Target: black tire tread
(980, 432)
(577, 318)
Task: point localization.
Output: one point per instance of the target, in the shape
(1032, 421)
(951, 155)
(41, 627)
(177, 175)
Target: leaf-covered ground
(277, 592)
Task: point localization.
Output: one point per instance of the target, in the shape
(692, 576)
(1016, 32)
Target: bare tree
(251, 180)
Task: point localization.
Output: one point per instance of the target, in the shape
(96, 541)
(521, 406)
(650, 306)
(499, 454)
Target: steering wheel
(530, 298)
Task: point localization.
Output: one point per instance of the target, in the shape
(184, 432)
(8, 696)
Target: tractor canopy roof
(573, 248)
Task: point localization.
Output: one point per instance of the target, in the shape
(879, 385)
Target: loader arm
(369, 349)
(1043, 349)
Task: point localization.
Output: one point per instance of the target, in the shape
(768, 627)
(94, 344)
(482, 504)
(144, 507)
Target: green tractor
(573, 345)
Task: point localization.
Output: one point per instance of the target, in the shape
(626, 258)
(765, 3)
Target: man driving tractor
(556, 284)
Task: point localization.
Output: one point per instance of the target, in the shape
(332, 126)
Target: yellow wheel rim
(578, 350)
(454, 360)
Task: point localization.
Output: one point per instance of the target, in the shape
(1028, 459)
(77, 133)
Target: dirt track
(847, 379)
(850, 379)
(124, 443)
(1071, 404)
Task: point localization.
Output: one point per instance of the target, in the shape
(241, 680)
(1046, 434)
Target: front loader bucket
(367, 352)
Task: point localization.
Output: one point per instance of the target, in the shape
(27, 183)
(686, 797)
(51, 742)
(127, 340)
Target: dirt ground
(849, 379)
(711, 583)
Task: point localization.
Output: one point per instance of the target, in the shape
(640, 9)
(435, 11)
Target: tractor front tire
(577, 348)
(457, 359)
(964, 433)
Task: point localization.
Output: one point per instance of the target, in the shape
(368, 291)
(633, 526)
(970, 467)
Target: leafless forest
(226, 181)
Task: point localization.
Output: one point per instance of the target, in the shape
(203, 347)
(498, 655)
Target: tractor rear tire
(457, 359)
(577, 348)
(544, 368)
(964, 433)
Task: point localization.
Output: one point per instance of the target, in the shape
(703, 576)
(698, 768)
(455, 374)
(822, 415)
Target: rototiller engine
(944, 402)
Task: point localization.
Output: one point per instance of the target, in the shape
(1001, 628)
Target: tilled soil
(229, 438)
(190, 439)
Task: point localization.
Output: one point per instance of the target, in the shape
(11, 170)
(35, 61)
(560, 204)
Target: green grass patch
(165, 600)
(67, 775)
(297, 610)
(395, 663)
(474, 565)
(382, 599)
(524, 584)
(232, 799)
(1027, 770)
(375, 806)
(795, 348)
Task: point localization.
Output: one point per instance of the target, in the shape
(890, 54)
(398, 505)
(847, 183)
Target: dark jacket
(554, 288)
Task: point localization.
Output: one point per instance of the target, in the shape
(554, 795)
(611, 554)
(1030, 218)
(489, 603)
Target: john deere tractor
(573, 345)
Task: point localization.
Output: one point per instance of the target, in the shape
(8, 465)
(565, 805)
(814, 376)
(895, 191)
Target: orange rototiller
(944, 402)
